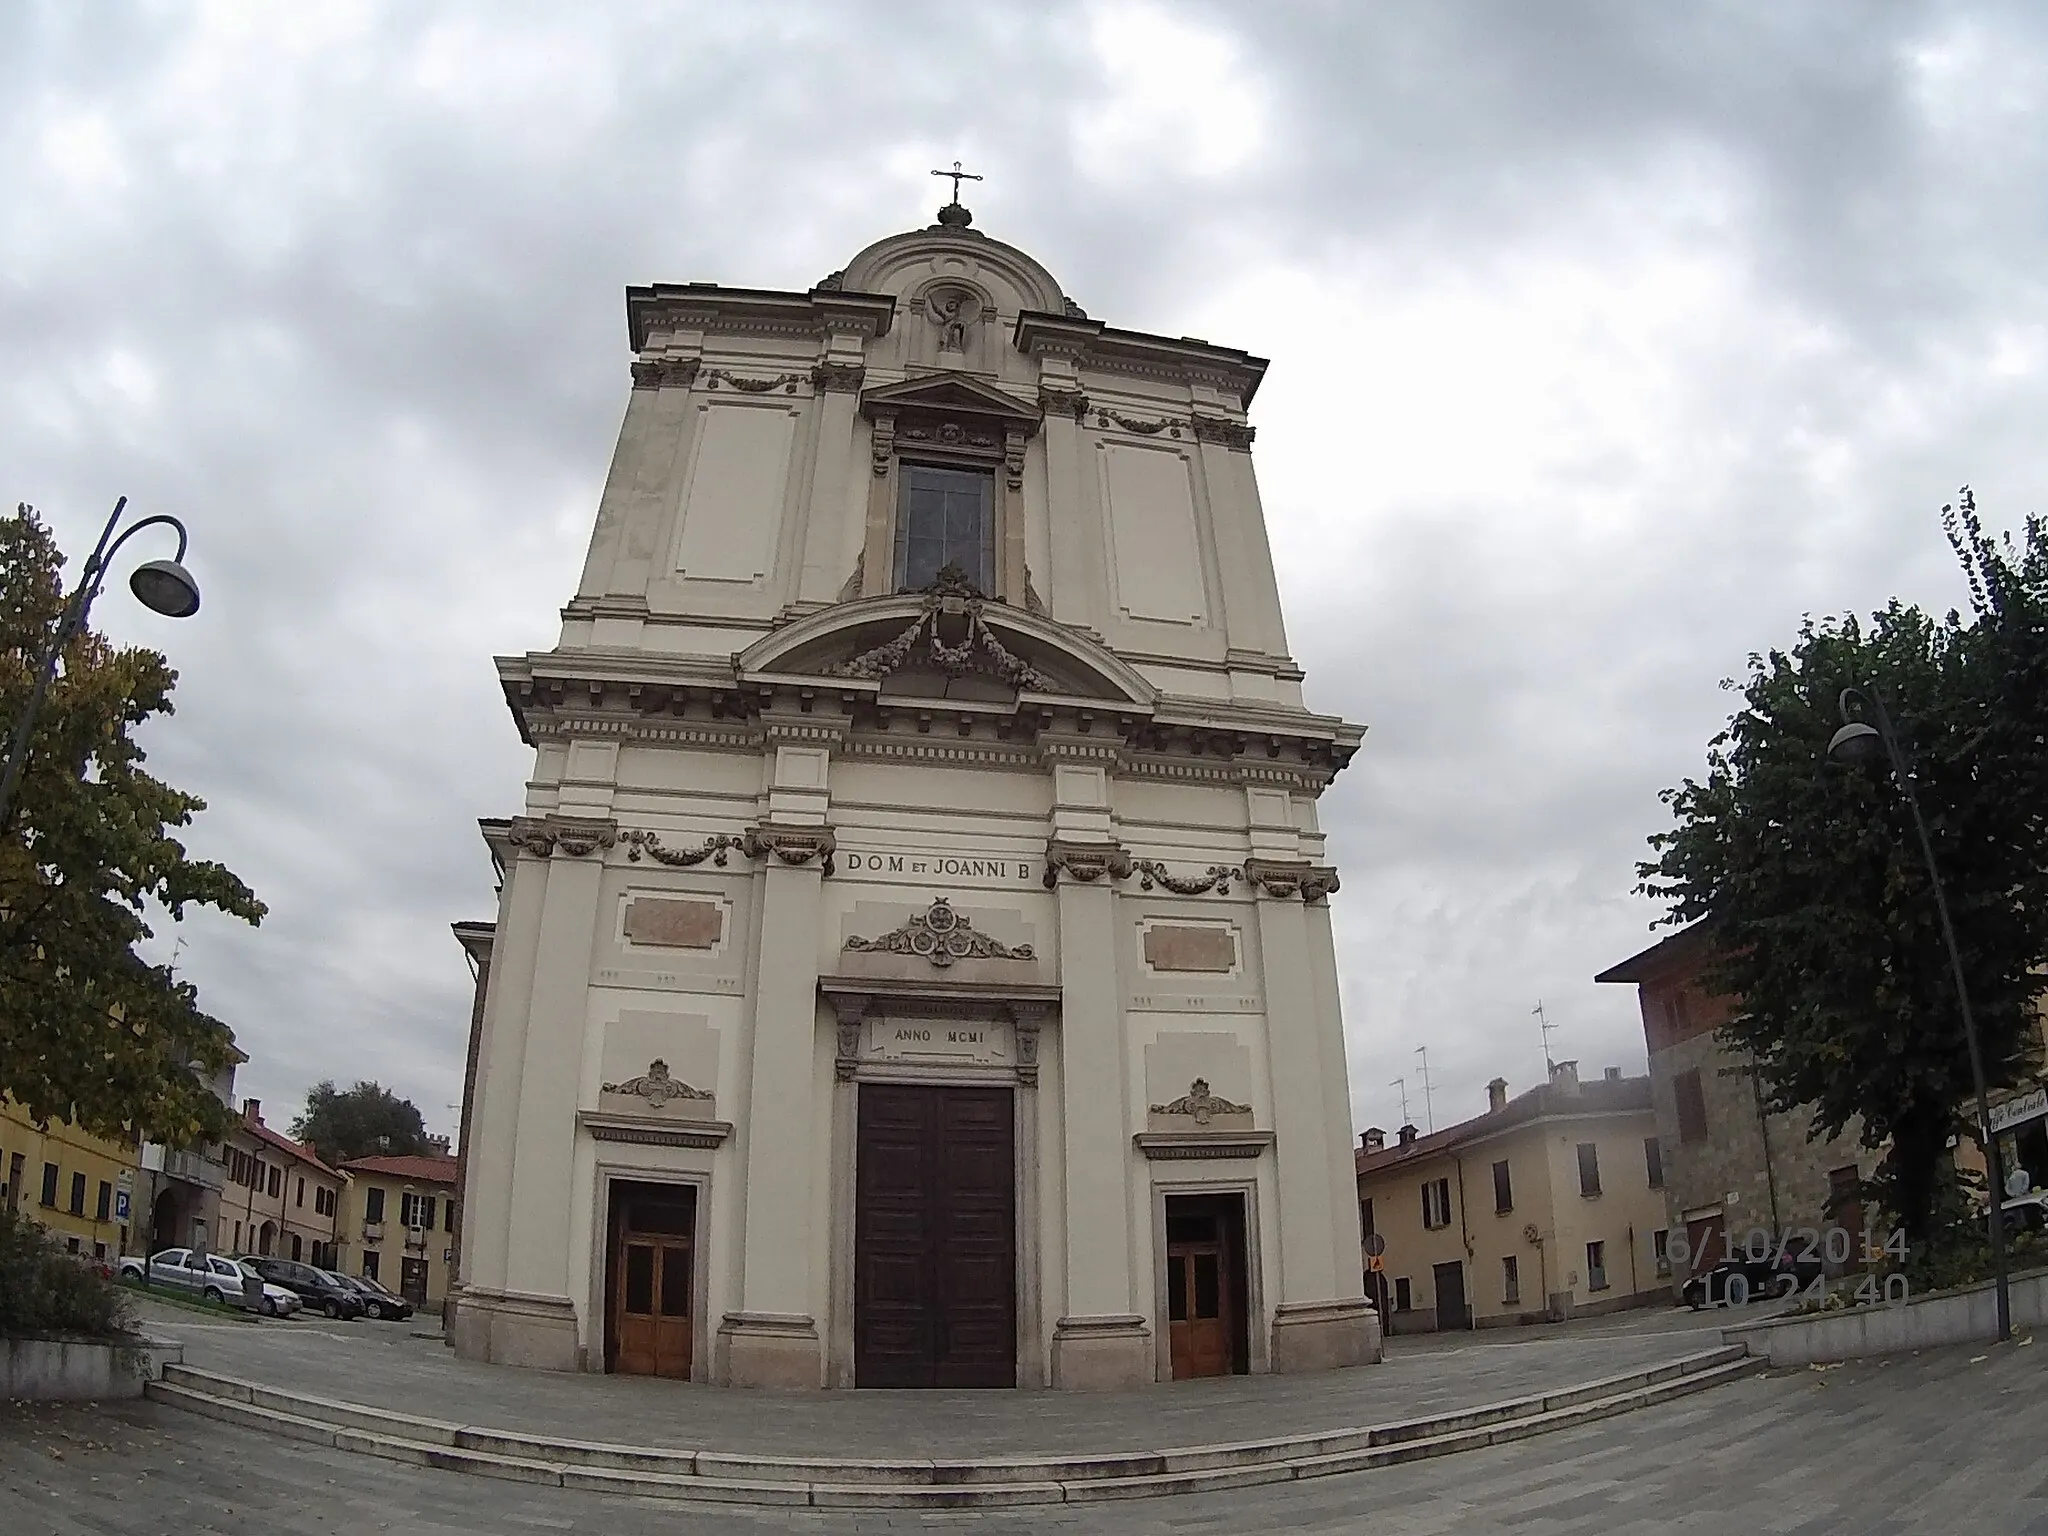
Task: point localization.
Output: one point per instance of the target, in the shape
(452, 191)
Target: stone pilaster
(493, 1123)
(535, 1322)
(1320, 1318)
(831, 537)
(771, 1338)
(1102, 1341)
(1077, 589)
(655, 433)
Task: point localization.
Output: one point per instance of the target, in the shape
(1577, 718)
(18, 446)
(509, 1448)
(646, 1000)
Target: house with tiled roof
(399, 1222)
(1547, 1206)
(280, 1198)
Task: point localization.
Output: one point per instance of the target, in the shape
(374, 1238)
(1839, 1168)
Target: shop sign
(2028, 1106)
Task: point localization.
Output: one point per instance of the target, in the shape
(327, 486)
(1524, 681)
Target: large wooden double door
(935, 1238)
(649, 1323)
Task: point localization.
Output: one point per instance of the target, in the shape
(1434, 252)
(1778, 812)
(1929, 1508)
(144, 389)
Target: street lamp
(1863, 745)
(162, 585)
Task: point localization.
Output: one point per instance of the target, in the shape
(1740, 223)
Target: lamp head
(167, 587)
(1857, 745)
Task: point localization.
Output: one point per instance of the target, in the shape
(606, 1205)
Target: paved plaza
(387, 1367)
(1950, 1441)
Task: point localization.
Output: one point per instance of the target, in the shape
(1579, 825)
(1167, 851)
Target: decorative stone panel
(673, 922)
(1182, 947)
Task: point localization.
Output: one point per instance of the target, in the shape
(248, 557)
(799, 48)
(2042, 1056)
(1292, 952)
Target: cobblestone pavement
(1950, 1441)
(385, 1366)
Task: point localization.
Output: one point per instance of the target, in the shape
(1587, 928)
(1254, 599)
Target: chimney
(1407, 1133)
(1565, 1076)
(1612, 1074)
(1496, 1095)
(1374, 1139)
(252, 1111)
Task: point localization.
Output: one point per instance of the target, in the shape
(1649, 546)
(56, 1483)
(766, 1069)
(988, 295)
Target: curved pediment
(947, 642)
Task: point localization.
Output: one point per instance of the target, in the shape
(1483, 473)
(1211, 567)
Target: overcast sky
(1607, 340)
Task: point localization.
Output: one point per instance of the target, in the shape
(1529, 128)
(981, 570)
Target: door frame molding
(1258, 1329)
(609, 1173)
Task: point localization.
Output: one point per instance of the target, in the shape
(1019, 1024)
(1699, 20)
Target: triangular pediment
(955, 394)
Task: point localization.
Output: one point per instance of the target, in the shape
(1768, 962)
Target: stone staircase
(988, 1483)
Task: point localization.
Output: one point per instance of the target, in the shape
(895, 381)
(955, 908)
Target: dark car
(1741, 1281)
(319, 1290)
(377, 1301)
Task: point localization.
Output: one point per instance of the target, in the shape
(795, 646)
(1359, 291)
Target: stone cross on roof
(958, 176)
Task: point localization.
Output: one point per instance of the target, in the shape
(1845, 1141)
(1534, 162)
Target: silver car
(210, 1277)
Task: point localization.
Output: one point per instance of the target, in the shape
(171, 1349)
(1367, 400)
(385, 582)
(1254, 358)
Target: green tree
(356, 1122)
(1822, 917)
(89, 1030)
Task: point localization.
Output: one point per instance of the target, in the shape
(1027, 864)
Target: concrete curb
(1965, 1315)
(991, 1483)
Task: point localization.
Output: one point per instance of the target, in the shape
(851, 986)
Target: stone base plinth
(1101, 1354)
(503, 1328)
(1325, 1335)
(769, 1349)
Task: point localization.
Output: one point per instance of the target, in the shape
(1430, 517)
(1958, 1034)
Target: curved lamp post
(163, 585)
(1862, 745)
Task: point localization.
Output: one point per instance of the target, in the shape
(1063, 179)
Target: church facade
(913, 963)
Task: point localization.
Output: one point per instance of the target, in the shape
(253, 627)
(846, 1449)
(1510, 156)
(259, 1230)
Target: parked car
(318, 1290)
(1767, 1279)
(377, 1301)
(275, 1300)
(186, 1269)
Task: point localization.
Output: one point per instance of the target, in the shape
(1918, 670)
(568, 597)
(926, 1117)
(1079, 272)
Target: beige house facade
(398, 1222)
(279, 1198)
(913, 960)
(1548, 1206)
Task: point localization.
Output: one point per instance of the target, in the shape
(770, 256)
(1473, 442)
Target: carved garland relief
(1200, 1105)
(941, 936)
(1090, 862)
(656, 1086)
(952, 595)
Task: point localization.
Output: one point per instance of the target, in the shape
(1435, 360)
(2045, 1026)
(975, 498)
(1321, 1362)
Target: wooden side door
(1199, 1291)
(651, 1306)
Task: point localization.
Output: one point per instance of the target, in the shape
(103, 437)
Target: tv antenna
(1428, 1102)
(1402, 1084)
(1546, 1027)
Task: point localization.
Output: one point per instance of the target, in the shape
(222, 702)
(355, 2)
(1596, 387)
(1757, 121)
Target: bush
(43, 1289)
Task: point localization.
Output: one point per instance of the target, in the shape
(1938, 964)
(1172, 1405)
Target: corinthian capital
(576, 836)
(1085, 862)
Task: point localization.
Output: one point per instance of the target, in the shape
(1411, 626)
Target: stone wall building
(1731, 1167)
(913, 960)
(1550, 1205)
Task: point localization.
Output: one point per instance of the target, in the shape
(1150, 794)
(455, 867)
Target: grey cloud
(376, 280)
